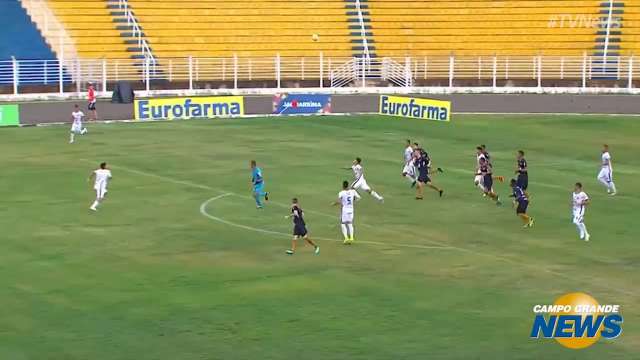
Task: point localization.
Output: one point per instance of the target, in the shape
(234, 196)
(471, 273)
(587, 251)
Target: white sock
(84, 131)
(350, 226)
(375, 195)
(580, 231)
(612, 187)
(71, 137)
(345, 232)
(480, 187)
(584, 229)
(95, 204)
(410, 178)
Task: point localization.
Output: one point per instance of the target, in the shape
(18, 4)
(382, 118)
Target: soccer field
(179, 264)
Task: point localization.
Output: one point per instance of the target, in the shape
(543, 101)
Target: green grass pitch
(150, 277)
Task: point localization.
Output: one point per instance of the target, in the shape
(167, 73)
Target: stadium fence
(491, 73)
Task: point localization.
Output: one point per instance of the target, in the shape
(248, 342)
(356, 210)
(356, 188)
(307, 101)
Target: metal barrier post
(407, 71)
(321, 70)
(278, 70)
(147, 65)
(61, 66)
(78, 76)
(364, 80)
(584, 70)
(630, 80)
(14, 64)
(235, 71)
(190, 73)
(451, 69)
(495, 71)
(104, 76)
(539, 71)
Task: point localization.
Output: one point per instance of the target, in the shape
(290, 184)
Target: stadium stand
(36, 60)
(483, 27)
(630, 27)
(17, 25)
(92, 27)
(259, 28)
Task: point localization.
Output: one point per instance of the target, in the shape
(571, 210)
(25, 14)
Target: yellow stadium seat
(483, 27)
(259, 28)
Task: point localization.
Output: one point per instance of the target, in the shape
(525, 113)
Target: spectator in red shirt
(91, 95)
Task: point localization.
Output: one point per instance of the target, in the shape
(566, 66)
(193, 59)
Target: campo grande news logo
(576, 321)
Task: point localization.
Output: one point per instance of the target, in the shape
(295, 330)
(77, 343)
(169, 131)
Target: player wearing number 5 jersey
(347, 198)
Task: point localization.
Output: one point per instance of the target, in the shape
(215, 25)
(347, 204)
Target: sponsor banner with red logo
(285, 104)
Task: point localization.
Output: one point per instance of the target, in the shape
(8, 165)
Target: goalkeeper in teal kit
(258, 185)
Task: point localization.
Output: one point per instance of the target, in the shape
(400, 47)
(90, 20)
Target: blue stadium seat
(17, 25)
(38, 65)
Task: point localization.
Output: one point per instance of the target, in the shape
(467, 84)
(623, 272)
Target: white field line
(331, 114)
(204, 212)
(437, 245)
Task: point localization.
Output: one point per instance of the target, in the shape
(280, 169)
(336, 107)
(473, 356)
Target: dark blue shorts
(92, 106)
(299, 230)
(487, 182)
(424, 178)
(522, 207)
(523, 181)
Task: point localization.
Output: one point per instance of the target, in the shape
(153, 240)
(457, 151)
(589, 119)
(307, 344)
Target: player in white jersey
(359, 182)
(606, 171)
(347, 198)
(408, 170)
(579, 202)
(76, 128)
(477, 180)
(101, 177)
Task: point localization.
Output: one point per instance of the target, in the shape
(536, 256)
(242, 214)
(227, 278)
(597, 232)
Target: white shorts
(578, 215)
(605, 174)
(101, 191)
(361, 185)
(76, 128)
(478, 180)
(347, 216)
(409, 170)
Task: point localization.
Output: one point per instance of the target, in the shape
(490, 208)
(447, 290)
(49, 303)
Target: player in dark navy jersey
(522, 171)
(485, 170)
(299, 228)
(521, 199)
(423, 163)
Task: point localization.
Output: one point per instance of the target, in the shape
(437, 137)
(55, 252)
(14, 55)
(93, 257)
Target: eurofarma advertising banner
(284, 104)
(189, 107)
(417, 108)
(9, 115)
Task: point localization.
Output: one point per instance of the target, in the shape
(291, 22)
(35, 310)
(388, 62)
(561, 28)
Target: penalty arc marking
(205, 213)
